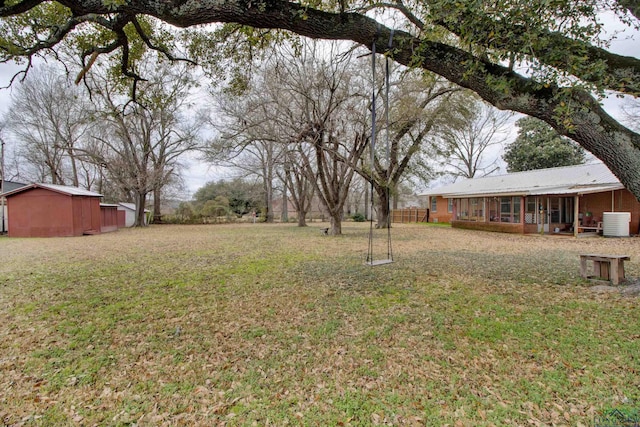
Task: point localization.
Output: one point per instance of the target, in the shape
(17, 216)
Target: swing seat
(379, 262)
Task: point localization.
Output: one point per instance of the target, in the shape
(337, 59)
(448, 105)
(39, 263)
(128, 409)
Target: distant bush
(178, 219)
(358, 217)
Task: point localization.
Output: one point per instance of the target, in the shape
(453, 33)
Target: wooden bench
(607, 267)
(597, 228)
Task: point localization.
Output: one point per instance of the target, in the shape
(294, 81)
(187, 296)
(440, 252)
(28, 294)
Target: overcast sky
(197, 173)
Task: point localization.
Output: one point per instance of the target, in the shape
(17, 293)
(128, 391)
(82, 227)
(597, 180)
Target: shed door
(86, 214)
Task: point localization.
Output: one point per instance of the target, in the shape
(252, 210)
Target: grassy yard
(276, 325)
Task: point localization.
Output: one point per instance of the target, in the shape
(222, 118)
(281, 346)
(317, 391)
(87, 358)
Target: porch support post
(613, 199)
(523, 205)
(576, 213)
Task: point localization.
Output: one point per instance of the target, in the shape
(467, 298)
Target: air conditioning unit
(616, 224)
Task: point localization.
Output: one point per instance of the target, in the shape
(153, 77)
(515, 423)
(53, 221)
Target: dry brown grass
(274, 325)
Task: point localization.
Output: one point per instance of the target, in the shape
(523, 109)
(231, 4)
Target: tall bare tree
(418, 106)
(49, 117)
(474, 129)
(299, 98)
(298, 182)
(250, 138)
(631, 113)
(140, 143)
(321, 99)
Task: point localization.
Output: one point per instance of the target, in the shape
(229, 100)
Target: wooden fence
(410, 215)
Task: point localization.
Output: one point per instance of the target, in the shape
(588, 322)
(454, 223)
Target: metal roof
(130, 206)
(63, 189)
(581, 179)
(11, 185)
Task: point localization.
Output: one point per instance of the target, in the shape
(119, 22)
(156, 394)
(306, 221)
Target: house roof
(63, 189)
(575, 180)
(130, 206)
(11, 185)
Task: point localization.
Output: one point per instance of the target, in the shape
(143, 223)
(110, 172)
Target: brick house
(569, 200)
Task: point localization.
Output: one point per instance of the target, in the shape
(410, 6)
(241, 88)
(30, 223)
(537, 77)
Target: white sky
(197, 173)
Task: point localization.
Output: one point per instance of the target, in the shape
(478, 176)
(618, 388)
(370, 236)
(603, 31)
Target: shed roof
(130, 206)
(11, 185)
(581, 179)
(63, 189)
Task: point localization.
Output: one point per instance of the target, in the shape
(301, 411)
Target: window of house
(567, 212)
(494, 205)
(476, 208)
(504, 209)
(450, 206)
(561, 209)
(463, 210)
(530, 211)
(434, 203)
(471, 209)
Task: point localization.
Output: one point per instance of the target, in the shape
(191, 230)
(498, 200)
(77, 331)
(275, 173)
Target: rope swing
(370, 258)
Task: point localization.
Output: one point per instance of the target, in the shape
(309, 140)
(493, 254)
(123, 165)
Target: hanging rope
(386, 107)
(372, 145)
(370, 257)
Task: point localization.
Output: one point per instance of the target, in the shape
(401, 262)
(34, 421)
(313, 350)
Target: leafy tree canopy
(240, 196)
(543, 59)
(538, 146)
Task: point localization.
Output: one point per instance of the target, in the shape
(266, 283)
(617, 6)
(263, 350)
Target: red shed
(48, 210)
(108, 217)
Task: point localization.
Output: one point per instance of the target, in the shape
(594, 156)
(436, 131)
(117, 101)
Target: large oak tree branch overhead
(587, 62)
(632, 6)
(571, 111)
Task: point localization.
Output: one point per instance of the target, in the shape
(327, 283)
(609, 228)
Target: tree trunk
(141, 199)
(157, 215)
(268, 200)
(74, 168)
(302, 219)
(383, 209)
(301, 194)
(336, 225)
(284, 216)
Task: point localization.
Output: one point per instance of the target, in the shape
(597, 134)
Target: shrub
(358, 217)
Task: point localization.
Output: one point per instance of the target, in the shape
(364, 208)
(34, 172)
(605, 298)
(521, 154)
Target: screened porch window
(504, 209)
(471, 209)
(530, 211)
